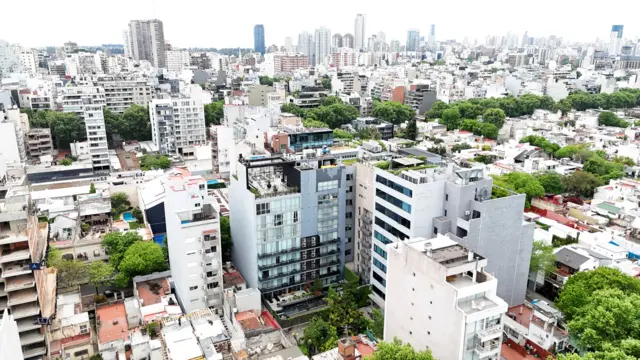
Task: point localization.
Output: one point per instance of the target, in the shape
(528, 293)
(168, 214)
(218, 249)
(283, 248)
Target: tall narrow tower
(360, 33)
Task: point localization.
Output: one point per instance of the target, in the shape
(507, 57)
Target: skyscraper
(258, 39)
(616, 39)
(360, 33)
(413, 40)
(336, 41)
(288, 44)
(348, 41)
(323, 44)
(306, 46)
(432, 35)
(147, 41)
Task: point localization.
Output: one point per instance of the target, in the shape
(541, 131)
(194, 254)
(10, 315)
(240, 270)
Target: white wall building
(9, 59)
(322, 45)
(29, 62)
(222, 150)
(9, 339)
(360, 32)
(120, 95)
(440, 298)
(178, 60)
(193, 233)
(177, 124)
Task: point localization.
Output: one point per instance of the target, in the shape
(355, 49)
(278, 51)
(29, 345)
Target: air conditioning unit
(467, 213)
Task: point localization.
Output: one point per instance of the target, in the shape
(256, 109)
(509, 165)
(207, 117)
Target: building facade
(193, 233)
(288, 221)
(413, 40)
(121, 94)
(441, 298)
(615, 39)
(258, 39)
(322, 41)
(147, 41)
(360, 32)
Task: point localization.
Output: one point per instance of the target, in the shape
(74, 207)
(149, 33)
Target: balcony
(19, 283)
(491, 332)
(10, 270)
(31, 337)
(279, 275)
(27, 324)
(7, 256)
(34, 350)
(22, 297)
(487, 349)
(206, 214)
(280, 252)
(25, 310)
(281, 263)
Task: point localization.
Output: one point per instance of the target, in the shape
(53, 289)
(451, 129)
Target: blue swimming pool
(127, 216)
(211, 182)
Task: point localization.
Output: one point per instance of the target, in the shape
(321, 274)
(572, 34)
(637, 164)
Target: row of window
(380, 279)
(392, 215)
(381, 237)
(380, 265)
(393, 200)
(392, 230)
(380, 251)
(327, 185)
(394, 186)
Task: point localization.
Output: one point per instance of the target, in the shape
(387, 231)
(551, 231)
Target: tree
(92, 188)
(214, 113)
(100, 274)
(319, 336)
(606, 317)
(293, 109)
(564, 106)
(458, 147)
(581, 286)
(312, 123)
(542, 257)
(342, 134)
(141, 258)
(494, 116)
(440, 150)
(470, 125)
(488, 130)
(581, 183)
(393, 112)
(552, 182)
(437, 109)
(411, 132)
(137, 213)
(65, 128)
(343, 312)
(451, 118)
(136, 124)
(70, 272)
(398, 351)
(114, 123)
(377, 324)
(330, 100)
(326, 83)
(66, 162)
(624, 160)
(96, 357)
(226, 241)
(265, 80)
(153, 162)
(116, 245)
(568, 151)
(119, 203)
(607, 118)
(525, 184)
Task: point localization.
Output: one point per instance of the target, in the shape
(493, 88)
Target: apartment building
(121, 94)
(70, 335)
(195, 251)
(12, 135)
(385, 129)
(364, 189)
(421, 97)
(177, 124)
(177, 60)
(290, 63)
(29, 62)
(147, 41)
(288, 221)
(39, 143)
(441, 298)
(222, 150)
(414, 199)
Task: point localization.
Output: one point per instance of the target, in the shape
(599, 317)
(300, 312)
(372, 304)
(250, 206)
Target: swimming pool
(127, 216)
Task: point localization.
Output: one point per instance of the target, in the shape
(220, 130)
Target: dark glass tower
(258, 38)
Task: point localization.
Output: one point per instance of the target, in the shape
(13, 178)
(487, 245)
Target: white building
(121, 94)
(178, 60)
(9, 339)
(440, 298)
(147, 41)
(9, 59)
(222, 150)
(193, 232)
(12, 136)
(360, 32)
(28, 62)
(322, 45)
(177, 124)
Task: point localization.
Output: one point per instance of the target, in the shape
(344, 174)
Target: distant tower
(336, 41)
(360, 32)
(413, 40)
(432, 35)
(323, 44)
(348, 41)
(258, 39)
(615, 42)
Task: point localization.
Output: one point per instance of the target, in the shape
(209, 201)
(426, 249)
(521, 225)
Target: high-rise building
(9, 59)
(457, 312)
(193, 232)
(615, 42)
(336, 41)
(121, 94)
(177, 124)
(322, 41)
(306, 45)
(360, 32)
(413, 40)
(289, 63)
(456, 202)
(348, 41)
(258, 39)
(394, 46)
(432, 35)
(288, 44)
(289, 220)
(128, 45)
(29, 61)
(147, 41)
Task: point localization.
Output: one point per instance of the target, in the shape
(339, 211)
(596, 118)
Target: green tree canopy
(542, 257)
(494, 116)
(100, 274)
(330, 100)
(377, 323)
(397, 351)
(552, 182)
(66, 162)
(451, 118)
(153, 162)
(541, 142)
(522, 183)
(70, 272)
(319, 336)
(342, 134)
(411, 131)
(136, 124)
(141, 258)
(607, 118)
(437, 109)
(393, 112)
(226, 241)
(265, 80)
(214, 113)
(581, 183)
(458, 147)
(117, 243)
(119, 203)
(488, 130)
(343, 311)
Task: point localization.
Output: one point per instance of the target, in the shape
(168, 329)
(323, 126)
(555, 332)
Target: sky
(223, 23)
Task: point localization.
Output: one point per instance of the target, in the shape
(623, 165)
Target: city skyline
(187, 28)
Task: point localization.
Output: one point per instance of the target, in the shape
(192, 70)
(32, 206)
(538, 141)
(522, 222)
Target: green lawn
(135, 225)
(350, 275)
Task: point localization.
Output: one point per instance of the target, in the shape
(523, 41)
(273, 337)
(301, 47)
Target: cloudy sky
(224, 23)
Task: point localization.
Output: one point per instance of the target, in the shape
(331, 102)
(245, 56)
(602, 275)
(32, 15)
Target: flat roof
(113, 323)
(408, 161)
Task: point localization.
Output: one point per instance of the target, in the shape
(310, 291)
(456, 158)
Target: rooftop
(151, 291)
(112, 323)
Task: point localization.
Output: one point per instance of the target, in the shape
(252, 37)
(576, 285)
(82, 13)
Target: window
(393, 200)
(379, 279)
(435, 230)
(327, 185)
(394, 216)
(295, 217)
(349, 202)
(81, 353)
(347, 252)
(395, 232)
(197, 205)
(445, 213)
(381, 237)
(277, 220)
(380, 265)
(214, 248)
(84, 329)
(189, 253)
(349, 177)
(349, 215)
(262, 209)
(193, 288)
(380, 251)
(446, 197)
(194, 300)
(378, 291)
(394, 186)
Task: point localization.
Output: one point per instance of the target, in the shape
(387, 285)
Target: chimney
(347, 349)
